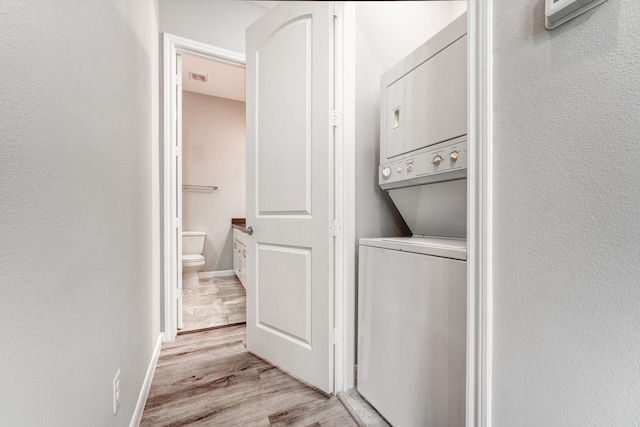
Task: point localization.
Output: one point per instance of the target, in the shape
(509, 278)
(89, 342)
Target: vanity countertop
(239, 223)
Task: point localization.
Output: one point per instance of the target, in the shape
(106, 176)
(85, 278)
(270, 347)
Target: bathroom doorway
(204, 185)
(213, 190)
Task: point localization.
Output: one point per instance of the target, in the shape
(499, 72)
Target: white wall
(77, 270)
(386, 32)
(213, 154)
(567, 209)
(220, 23)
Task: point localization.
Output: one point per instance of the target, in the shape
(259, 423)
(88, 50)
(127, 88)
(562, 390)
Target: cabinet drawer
(239, 254)
(239, 236)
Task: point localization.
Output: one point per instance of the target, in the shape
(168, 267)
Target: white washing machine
(412, 329)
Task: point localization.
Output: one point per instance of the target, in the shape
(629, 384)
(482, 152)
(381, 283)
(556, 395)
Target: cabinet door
(243, 262)
(236, 258)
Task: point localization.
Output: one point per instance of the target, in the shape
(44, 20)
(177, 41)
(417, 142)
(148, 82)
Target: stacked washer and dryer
(412, 297)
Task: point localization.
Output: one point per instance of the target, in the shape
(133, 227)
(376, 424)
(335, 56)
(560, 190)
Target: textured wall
(78, 302)
(213, 154)
(567, 216)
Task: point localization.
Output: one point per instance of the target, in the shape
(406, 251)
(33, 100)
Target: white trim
(218, 273)
(479, 306)
(340, 193)
(167, 217)
(348, 188)
(146, 385)
(204, 50)
(173, 44)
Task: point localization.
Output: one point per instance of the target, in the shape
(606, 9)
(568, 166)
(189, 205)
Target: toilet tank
(193, 242)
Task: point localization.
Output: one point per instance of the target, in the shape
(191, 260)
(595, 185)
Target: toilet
(192, 258)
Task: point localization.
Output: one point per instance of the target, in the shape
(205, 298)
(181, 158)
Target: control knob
(453, 156)
(386, 172)
(410, 167)
(436, 160)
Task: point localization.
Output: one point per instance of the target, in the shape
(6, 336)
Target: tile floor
(217, 301)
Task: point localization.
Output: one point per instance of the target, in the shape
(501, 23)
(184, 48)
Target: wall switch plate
(116, 392)
(557, 12)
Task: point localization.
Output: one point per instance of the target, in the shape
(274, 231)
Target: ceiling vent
(199, 77)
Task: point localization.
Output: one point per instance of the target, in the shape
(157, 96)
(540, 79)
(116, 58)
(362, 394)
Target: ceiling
(224, 80)
(265, 4)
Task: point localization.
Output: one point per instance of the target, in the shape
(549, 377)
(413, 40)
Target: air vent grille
(198, 77)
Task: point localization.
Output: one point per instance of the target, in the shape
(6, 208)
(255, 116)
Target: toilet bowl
(192, 265)
(192, 259)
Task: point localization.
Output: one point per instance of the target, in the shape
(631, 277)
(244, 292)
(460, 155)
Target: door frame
(172, 45)
(479, 213)
(344, 191)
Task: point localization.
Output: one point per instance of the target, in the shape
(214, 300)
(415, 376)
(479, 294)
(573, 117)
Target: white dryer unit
(423, 134)
(412, 329)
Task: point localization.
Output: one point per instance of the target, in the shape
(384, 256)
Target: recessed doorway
(204, 185)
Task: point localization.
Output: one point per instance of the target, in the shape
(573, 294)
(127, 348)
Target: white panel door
(289, 190)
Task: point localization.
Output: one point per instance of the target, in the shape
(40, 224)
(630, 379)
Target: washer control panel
(433, 165)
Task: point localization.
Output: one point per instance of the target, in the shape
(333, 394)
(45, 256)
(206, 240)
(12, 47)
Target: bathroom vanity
(239, 248)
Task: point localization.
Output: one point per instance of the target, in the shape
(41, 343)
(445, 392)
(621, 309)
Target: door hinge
(336, 118)
(178, 222)
(335, 227)
(178, 70)
(337, 336)
(178, 149)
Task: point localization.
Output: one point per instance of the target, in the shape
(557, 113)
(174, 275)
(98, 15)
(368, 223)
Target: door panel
(283, 291)
(284, 126)
(289, 193)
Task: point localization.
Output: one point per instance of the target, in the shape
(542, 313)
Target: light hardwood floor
(209, 379)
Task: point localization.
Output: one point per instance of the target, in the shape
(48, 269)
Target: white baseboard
(144, 391)
(219, 273)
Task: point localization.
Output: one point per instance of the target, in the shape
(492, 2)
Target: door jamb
(173, 44)
(345, 356)
(480, 214)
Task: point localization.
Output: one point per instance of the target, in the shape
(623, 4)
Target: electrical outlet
(116, 392)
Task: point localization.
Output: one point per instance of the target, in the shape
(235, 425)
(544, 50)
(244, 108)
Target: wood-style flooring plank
(209, 379)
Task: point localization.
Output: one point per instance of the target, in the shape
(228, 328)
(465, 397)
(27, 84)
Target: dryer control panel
(443, 163)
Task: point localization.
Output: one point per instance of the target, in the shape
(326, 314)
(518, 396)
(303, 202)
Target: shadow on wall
(215, 252)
